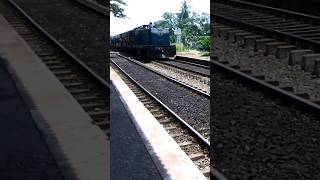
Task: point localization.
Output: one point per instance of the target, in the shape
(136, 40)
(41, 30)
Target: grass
(205, 53)
(179, 47)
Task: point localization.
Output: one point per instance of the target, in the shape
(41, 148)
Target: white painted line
(171, 161)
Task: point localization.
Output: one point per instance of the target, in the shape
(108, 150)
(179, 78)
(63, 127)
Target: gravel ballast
(77, 28)
(255, 136)
(190, 106)
(188, 66)
(184, 77)
(270, 66)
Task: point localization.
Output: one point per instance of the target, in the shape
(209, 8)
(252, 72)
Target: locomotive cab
(147, 42)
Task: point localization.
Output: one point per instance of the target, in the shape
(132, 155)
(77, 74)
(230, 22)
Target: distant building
(177, 33)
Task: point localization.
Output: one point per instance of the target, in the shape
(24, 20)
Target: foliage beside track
(116, 8)
(195, 28)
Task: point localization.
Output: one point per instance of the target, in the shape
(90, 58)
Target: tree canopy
(195, 28)
(117, 9)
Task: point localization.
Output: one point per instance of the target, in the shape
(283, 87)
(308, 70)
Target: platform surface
(128, 155)
(23, 152)
(78, 147)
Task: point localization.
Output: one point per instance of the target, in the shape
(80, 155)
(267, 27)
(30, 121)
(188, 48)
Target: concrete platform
(129, 157)
(145, 147)
(78, 147)
(23, 153)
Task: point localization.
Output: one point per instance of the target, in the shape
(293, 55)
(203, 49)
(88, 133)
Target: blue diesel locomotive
(145, 41)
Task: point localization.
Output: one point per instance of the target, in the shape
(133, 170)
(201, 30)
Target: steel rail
(96, 7)
(167, 77)
(277, 92)
(185, 69)
(193, 64)
(305, 43)
(193, 61)
(94, 76)
(271, 9)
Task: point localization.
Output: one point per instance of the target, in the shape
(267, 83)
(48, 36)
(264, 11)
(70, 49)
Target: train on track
(145, 41)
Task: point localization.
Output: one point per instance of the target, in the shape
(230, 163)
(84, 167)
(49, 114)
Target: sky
(142, 12)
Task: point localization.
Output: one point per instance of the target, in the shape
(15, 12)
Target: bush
(203, 43)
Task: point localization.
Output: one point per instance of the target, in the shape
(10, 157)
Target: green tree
(117, 9)
(195, 28)
(183, 15)
(169, 21)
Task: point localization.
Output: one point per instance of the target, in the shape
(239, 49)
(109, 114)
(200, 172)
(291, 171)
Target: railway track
(297, 28)
(266, 93)
(187, 78)
(100, 6)
(284, 34)
(84, 34)
(189, 139)
(277, 67)
(85, 85)
(196, 62)
(199, 69)
(258, 135)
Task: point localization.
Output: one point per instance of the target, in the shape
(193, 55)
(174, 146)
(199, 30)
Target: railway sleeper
(102, 125)
(223, 32)
(49, 58)
(97, 114)
(196, 156)
(271, 47)
(169, 127)
(160, 115)
(149, 104)
(239, 37)
(308, 62)
(73, 77)
(145, 99)
(295, 56)
(87, 99)
(53, 62)
(41, 52)
(141, 96)
(250, 40)
(283, 51)
(260, 44)
(58, 67)
(174, 135)
(206, 171)
(154, 110)
(165, 120)
(62, 72)
(232, 35)
(79, 91)
(186, 143)
(317, 67)
(94, 105)
(73, 84)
